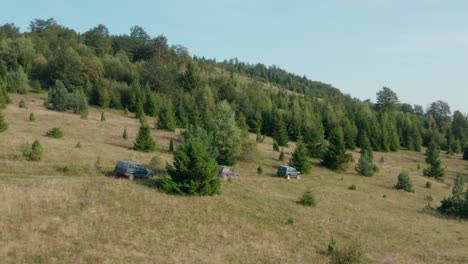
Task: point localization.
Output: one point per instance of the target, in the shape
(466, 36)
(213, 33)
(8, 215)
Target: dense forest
(147, 76)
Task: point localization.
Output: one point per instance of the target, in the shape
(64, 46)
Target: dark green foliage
(300, 158)
(126, 111)
(103, 117)
(32, 117)
(404, 182)
(78, 145)
(22, 104)
(291, 220)
(428, 185)
(281, 156)
(4, 98)
(54, 132)
(331, 245)
(435, 168)
(144, 142)
(171, 146)
(275, 146)
(335, 156)
(308, 199)
(167, 119)
(206, 138)
(365, 166)
(78, 103)
(32, 152)
(3, 123)
(352, 254)
(190, 79)
(458, 187)
(457, 204)
(125, 134)
(194, 171)
(352, 187)
(260, 169)
(364, 143)
(280, 134)
(465, 152)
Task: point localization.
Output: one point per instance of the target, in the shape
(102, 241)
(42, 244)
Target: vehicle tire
(288, 177)
(298, 177)
(131, 177)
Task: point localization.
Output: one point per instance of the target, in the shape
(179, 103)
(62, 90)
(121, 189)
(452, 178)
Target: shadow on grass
(120, 146)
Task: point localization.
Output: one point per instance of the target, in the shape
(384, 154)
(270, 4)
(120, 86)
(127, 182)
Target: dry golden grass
(47, 216)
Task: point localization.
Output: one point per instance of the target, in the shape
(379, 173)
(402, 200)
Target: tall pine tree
(335, 156)
(144, 141)
(435, 165)
(167, 119)
(300, 158)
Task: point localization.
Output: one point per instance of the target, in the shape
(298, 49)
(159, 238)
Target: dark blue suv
(132, 169)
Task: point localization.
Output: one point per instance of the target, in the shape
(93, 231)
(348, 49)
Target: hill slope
(60, 210)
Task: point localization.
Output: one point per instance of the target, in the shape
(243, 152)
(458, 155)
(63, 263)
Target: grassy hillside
(64, 209)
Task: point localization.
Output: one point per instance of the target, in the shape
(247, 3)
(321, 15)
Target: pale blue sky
(418, 48)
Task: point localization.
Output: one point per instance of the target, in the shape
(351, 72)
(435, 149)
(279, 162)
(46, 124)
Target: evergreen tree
(435, 168)
(335, 156)
(300, 158)
(3, 123)
(103, 116)
(194, 171)
(4, 99)
(139, 111)
(226, 134)
(57, 95)
(280, 133)
(365, 144)
(404, 182)
(190, 80)
(281, 156)
(465, 152)
(125, 111)
(32, 118)
(167, 119)
(124, 134)
(144, 141)
(365, 166)
(171, 146)
(458, 187)
(150, 104)
(457, 204)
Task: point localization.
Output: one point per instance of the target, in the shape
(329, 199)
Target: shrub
(194, 171)
(281, 156)
(124, 134)
(365, 166)
(126, 111)
(78, 145)
(404, 182)
(144, 141)
(331, 245)
(352, 254)
(171, 146)
(275, 146)
(352, 187)
(260, 169)
(291, 220)
(55, 133)
(22, 104)
(308, 199)
(32, 117)
(32, 152)
(103, 117)
(155, 162)
(428, 185)
(3, 123)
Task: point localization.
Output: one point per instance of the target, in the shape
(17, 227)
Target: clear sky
(418, 48)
